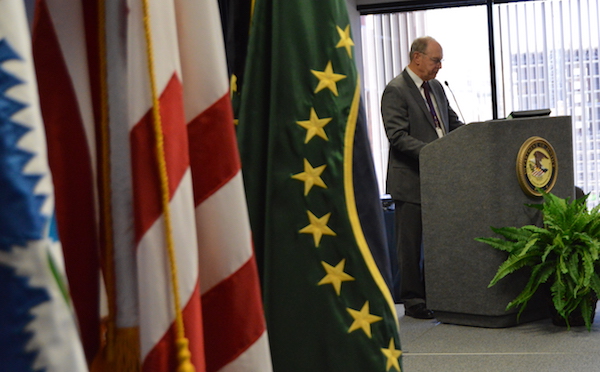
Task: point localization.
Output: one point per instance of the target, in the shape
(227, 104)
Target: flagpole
(121, 349)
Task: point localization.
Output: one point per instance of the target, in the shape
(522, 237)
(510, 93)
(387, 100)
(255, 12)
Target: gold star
(327, 79)
(236, 121)
(314, 126)
(345, 40)
(311, 176)
(335, 275)
(317, 227)
(362, 319)
(232, 85)
(392, 355)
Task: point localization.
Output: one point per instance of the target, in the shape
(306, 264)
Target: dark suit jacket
(409, 127)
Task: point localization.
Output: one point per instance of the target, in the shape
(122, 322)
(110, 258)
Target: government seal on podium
(537, 166)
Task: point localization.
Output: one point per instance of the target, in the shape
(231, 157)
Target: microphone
(457, 106)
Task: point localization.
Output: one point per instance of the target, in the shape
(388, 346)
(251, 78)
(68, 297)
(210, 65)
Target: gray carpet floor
(430, 346)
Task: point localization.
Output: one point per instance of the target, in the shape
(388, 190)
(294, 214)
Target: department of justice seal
(536, 166)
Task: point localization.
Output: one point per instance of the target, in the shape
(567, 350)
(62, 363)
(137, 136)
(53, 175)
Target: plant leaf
(500, 244)
(539, 275)
(514, 233)
(512, 264)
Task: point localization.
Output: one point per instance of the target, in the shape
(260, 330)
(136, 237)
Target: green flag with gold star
(314, 206)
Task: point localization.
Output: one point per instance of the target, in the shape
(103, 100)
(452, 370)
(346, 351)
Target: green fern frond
(593, 227)
(550, 248)
(513, 233)
(539, 275)
(512, 264)
(528, 246)
(588, 268)
(572, 264)
(500, 244)
(586, 313)
(595, 283)
(562, 265)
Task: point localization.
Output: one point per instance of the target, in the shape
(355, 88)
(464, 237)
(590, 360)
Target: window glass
(386, 40)
(565, 35)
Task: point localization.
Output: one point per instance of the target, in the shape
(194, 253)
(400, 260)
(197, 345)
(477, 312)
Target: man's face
(430, 62)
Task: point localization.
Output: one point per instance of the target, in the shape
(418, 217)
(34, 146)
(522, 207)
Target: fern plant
(563, 253)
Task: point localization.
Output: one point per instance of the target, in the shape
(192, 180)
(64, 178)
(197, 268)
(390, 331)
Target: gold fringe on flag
(123, 355)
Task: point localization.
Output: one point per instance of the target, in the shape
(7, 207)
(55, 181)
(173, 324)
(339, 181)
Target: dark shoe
(419, 311)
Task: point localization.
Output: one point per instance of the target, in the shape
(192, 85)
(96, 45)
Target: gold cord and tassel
(182, 343)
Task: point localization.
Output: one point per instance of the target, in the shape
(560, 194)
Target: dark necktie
(430, 104)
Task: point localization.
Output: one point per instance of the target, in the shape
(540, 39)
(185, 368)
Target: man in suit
(415, 112)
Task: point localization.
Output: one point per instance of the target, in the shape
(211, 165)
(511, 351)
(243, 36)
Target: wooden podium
(468, 183)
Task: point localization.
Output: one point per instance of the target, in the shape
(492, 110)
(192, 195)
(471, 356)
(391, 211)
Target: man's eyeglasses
(437, 61)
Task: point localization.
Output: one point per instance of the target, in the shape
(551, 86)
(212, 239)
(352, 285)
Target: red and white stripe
(234, 327)
(156, 311)
(59, 50)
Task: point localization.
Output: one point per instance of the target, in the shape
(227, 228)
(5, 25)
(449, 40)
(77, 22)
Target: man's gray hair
(419, 45)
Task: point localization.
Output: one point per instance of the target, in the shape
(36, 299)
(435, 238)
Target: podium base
(491, 321)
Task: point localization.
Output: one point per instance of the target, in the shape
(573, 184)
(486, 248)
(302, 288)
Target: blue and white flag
(38, 330)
